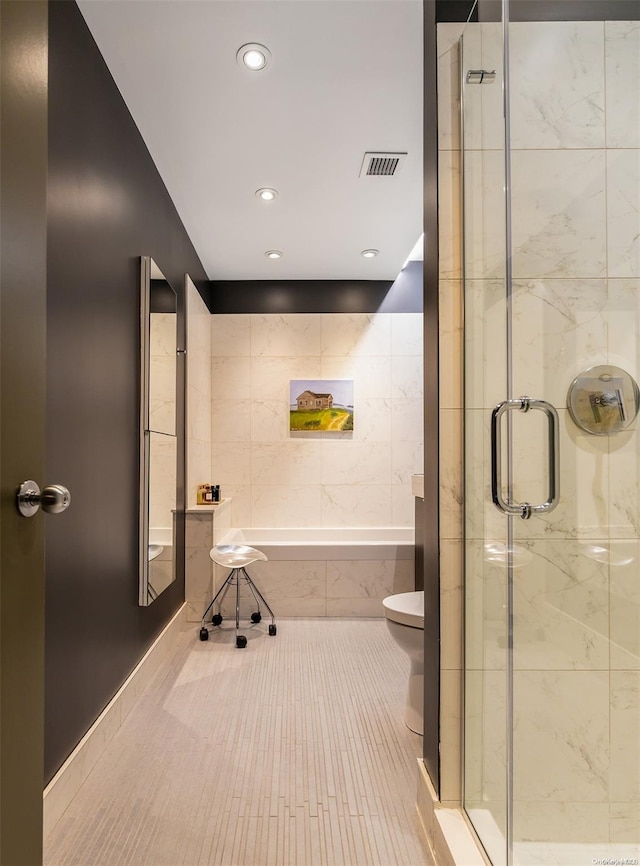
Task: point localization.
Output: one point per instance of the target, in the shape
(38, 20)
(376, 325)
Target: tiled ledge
(205, 526)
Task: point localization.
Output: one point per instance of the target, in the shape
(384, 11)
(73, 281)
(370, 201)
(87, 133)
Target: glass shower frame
(551, 653)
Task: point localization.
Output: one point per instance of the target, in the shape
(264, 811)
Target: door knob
(53, 499)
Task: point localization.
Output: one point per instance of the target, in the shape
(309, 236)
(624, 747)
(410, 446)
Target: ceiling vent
(382, 164)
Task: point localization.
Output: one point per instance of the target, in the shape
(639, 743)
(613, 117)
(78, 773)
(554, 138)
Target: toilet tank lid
(406, 608)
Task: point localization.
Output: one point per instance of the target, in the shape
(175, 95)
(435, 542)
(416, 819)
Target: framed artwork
(320, 405)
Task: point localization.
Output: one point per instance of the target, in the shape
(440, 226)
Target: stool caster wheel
(272, 629)
(204, 634)
(241, 641)
(216, 619)
(256, 617)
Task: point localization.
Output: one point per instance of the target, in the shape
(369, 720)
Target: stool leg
(260, 598)
(224, 588)
(241, 640)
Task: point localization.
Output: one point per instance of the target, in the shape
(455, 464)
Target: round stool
(236, 557)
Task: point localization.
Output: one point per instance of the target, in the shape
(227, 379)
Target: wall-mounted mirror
(158, 442)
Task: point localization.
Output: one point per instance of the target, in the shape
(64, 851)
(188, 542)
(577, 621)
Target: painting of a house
(314, 400)
(321, 405)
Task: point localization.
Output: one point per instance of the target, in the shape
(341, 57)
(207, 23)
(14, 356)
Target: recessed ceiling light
(253, 56)
(369, 254)
(266, 193)
(273, 254)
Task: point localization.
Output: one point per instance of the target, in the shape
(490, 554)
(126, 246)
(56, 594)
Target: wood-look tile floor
(291, 752)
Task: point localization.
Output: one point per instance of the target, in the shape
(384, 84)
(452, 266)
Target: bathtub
(329, 571)
(327, 543)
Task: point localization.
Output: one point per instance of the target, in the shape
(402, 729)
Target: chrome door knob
(54, 498)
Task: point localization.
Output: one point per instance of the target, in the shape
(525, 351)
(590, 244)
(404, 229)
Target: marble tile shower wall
(576, 302)
(279, 479)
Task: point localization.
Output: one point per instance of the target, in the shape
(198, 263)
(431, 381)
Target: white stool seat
(236, 555)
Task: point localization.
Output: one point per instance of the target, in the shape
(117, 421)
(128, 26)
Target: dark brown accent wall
(402, 295)
(107, 206)
(431, 512)
(560, 10)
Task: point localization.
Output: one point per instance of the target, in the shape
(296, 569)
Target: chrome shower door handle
(525, 509)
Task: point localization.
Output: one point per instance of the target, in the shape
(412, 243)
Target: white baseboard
(67, 781)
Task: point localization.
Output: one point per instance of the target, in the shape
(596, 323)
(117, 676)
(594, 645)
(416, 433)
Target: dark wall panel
(402, 295)
(107, 206)
(297, 296)
(431, 511)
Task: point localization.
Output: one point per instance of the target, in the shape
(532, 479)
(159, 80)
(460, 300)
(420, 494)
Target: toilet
(405, 620)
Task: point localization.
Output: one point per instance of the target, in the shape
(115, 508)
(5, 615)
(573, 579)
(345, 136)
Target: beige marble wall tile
(357, 334)
(450, 734)
(622, 558)
(557, 84)
(230, 378)
(198, 581)
(231, 463)
(286, 505)
(451, 624)
(402, 505)
(356, 505)
(482, 49)
(624, 822)
(582, 511)
(622, 53)
(623, 322)
(290, 579)
(559, 328)
(356, 462)
(561, 608)
(270, 376)
(450, 473)
(311, 607)
(199, 530)
(231, 335)
(561, 736)
(582, 823)
(449, 215)
(623, 212)
(451, 344)
(231, 420)
(350, 579)
(407, 334)
(449, 85)
(355, 607)
(291, 335)
(624, 770)
(559, 213)
(486, 626)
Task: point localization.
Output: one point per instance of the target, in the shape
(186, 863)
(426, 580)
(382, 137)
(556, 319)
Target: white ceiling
(345, 78)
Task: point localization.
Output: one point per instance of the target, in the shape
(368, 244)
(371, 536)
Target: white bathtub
(327, 543)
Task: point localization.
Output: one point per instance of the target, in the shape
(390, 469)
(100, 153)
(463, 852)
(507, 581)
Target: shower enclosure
(551, 228)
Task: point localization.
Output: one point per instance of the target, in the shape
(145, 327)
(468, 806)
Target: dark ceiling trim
(539, 10)
(561, 10)
(320, 296)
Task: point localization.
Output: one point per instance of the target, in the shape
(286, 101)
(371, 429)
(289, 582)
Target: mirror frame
(145, 594)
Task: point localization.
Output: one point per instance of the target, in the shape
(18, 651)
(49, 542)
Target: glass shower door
(552, 290)
(487, 382)
(574, 94)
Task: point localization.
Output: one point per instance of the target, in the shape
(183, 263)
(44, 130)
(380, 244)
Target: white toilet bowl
(405, 620)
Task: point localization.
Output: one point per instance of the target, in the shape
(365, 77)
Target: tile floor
(291, 752)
